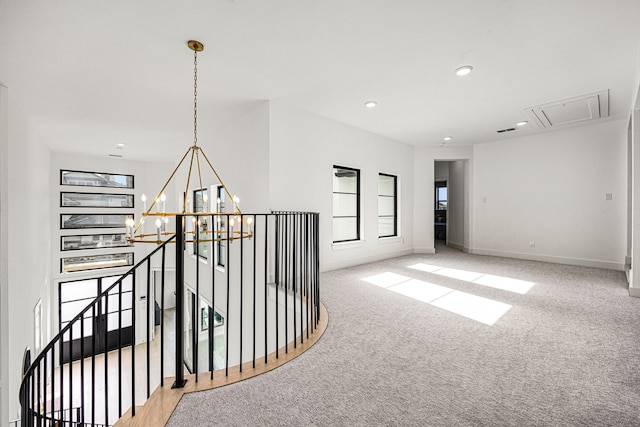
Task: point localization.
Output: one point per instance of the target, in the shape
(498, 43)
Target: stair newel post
(180, 381)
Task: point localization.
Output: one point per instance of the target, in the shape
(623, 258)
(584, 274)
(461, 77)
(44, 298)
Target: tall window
(441, 195)
(221, 226)
(346, 204)
(201, 204)
(387, 205)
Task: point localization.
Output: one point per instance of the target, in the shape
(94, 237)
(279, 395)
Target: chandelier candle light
(135, 233)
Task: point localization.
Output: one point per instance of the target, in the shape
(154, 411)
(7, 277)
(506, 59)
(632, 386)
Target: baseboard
(424, 250)
(608, 265)
(364, 260)
(456, 246)
(634, 292)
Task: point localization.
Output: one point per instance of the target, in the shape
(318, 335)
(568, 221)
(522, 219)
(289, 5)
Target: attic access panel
(572, 110)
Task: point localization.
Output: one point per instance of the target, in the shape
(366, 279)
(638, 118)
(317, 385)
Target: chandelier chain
(195, 98)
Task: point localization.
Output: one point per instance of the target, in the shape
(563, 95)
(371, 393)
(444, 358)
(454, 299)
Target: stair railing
(259, 282)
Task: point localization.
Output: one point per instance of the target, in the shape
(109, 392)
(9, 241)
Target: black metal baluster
(196, 311)
(255, 226)
(120, 347)
(61, 351)
(277, 282)
(106, 361)
(294, 240)
(38, 395)
(212, 319)
(164, 252)
(71, 366)
(93, 361)
(266, 282)
(241, 284)
(82, 353)
(300, 280)
(44, 386)
(306, 272)
(133, 346)
(316, 241)
(180, 381)
(148, 327)
(286, 285)
(226, 322)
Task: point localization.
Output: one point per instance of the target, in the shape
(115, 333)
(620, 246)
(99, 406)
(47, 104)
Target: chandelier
(198, 161)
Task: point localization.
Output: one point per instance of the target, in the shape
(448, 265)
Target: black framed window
(346, 204)
(95, 179)
(387, 205)
(221, 226)
(201, 204)
(441, 194)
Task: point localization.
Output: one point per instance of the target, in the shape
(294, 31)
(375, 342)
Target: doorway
(107, 327)
(452, 203)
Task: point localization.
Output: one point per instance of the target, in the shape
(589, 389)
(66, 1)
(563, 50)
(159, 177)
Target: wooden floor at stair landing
(157, 410)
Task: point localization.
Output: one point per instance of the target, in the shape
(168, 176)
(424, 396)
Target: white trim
(609, 265)
(338, 246)
(390, 239)
(424, 251)
(364, 260)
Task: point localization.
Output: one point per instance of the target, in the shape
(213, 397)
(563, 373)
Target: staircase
(251, 314)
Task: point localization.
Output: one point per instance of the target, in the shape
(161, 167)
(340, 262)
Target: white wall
(550, 188)
(303, 150)
(4, 246)
(26, 237)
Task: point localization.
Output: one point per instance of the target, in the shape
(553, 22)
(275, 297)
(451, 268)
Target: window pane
(345, 229)
(69, 221)
(77, 330)
(93, 262)
(345, 180)
(386, 185)
(81, 289)
(112, 320)
(127, 284)
(93, 241)
(95, 179)
(127, 300)
(386, 227)
(386, 206)
(345, 204)
(96, 200)
(69, 310)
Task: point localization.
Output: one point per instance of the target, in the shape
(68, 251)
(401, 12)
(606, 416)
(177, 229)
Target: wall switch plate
(608, 196)
(532, 243)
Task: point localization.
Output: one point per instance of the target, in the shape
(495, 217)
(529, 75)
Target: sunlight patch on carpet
(497, 282)
(476, 308)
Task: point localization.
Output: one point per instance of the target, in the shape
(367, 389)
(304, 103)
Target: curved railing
(237, 300)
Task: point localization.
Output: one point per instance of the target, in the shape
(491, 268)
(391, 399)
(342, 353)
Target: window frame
(198, 250)
(395, 205)
(358, 215)
(221, 244)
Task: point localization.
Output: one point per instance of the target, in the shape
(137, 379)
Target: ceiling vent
(506, 130)
(573, 110)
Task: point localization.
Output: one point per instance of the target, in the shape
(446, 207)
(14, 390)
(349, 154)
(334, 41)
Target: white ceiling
(92, 73)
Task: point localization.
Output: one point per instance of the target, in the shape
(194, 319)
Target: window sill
(392, 239)
(347, 245)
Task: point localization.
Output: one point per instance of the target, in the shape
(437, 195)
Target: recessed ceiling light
(370, 104)
(447, 138)
(522, 123)
(120, 145)
(464, 70)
